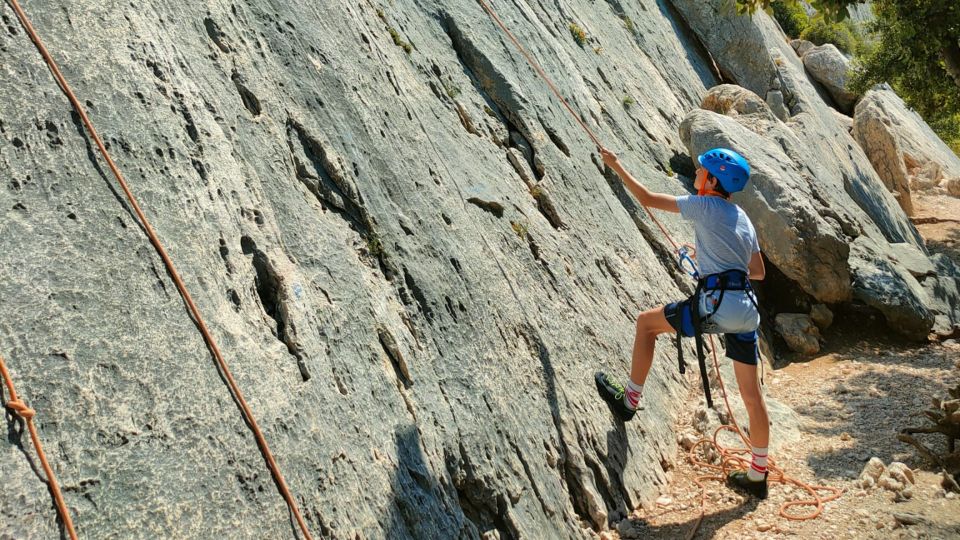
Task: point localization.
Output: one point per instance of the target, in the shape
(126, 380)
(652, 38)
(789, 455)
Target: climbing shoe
(739, 481)
(612, 392)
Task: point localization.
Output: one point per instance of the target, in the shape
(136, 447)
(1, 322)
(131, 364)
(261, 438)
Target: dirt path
(852, 400)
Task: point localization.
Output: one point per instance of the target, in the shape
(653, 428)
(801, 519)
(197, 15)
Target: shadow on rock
(420, 506)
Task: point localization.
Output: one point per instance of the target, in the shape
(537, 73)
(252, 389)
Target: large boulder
(808, 247)
(943, 292)
(801, 46)
(753, 52)
(828, 66)
(806, 229)
(902, 148)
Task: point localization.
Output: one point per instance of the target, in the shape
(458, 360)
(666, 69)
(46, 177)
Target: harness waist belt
(730, 280)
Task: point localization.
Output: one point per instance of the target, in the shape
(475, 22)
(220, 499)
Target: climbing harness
(20, 409)
(729, 456)
(691, 321)
(155, 240)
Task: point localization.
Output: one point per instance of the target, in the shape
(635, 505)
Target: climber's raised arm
(646, 197)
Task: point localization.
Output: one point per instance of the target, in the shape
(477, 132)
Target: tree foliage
(791, 16)
(822, 30)
(916, 49)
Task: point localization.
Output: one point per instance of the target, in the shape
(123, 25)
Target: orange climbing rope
(733, 458)
(543, 75)
(155, 240)
(19, 408)
(729, 456)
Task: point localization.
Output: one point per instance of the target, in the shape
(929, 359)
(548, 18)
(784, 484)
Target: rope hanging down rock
(155, 240)
(729, 456)
(19, 408)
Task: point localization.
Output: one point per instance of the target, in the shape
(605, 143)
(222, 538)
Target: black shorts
(740, 347)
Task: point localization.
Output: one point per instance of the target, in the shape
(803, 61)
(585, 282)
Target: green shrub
(792, 17)
(628, 101)
(948, 128)
(398, 41)
(579, 35)
(842, 34)
(521, 228)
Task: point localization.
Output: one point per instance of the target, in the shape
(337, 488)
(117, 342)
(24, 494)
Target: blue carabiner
(685, 258)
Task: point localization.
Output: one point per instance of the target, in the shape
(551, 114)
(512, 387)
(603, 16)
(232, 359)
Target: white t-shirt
(724, 236)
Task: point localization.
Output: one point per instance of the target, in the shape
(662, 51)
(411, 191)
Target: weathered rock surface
(828, 66)
(801, 46)
(821, 315)
(903, 149)
(407, 255)
(381, 213)
(799, 331)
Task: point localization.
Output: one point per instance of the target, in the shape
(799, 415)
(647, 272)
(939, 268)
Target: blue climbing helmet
(728, 167)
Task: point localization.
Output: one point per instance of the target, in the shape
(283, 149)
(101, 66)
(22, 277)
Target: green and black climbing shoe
(738, 481)
(612, 392)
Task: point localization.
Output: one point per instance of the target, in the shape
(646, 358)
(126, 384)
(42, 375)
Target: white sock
(758, 465)
(632, 394)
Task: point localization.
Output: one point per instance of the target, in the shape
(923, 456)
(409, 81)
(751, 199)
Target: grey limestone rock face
(400, 239)
(406, 248)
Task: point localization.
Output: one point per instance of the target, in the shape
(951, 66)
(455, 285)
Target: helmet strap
(703, 191)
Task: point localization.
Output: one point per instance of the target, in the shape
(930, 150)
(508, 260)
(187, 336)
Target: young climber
(728, 256)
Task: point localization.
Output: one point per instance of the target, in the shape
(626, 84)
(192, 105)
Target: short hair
(719, 188)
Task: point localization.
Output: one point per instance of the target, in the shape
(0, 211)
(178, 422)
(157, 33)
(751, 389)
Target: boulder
(799, 331)
(927, 176)
(900, 472)
(913, 259)
(872, 472)
(943, 294)
(801, 46)
(733, 100)
(902, 148)
(753, 52)
(884, 284)
(830, 67)
(815, 183)
(845, 121)
(821, 315)
(953, 186)
(795, 237)
(805, 229)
